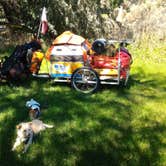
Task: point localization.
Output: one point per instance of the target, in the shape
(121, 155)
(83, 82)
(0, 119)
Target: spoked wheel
(85, 80)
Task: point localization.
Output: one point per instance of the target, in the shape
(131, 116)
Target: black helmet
(99, 46)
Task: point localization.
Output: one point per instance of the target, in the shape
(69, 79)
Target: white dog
(26, 131)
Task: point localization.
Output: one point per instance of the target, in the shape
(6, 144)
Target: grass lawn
(115, 126)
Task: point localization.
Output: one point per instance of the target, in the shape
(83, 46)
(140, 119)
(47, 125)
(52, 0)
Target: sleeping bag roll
(36, 60)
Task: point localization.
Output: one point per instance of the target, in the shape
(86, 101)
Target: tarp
(68, 37)
(67, 53)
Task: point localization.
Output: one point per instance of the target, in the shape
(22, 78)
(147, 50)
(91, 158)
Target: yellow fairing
(64, 69)
(107, 72)
(36, 61)
(45, 66)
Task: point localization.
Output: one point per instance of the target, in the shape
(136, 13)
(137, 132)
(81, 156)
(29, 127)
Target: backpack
(19, 61)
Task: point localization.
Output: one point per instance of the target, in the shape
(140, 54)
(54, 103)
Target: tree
(91, 19)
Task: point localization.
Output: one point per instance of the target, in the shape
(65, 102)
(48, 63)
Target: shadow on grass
(92, 130)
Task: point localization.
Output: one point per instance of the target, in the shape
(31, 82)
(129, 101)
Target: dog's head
(34, 107)
(24, 130)
(32, 104)
(34, 113)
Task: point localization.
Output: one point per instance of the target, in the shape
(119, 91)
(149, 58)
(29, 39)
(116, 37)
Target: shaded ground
(116, 126)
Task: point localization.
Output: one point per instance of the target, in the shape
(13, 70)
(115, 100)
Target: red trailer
(106, 65)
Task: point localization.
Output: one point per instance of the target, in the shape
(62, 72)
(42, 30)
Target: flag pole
(39, 29)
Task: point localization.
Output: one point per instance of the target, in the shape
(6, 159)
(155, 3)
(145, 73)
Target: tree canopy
(88, 18)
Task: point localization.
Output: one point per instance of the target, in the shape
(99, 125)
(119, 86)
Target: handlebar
(125, 41)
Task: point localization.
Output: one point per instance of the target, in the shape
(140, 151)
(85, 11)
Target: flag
(44, 23)
(120, 16)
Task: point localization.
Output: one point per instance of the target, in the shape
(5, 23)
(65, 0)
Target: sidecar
(67, 53)
(107, 65)
(73, 59)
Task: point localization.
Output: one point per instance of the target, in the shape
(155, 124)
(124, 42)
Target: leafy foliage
(82, 17)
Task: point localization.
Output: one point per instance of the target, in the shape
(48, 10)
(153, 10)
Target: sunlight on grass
(115, 126)
(8, 113)
(5, 116)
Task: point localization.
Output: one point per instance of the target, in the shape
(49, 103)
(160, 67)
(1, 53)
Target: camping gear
(17, 64)
(36, 60)
(71, 58)
(104, 68)
(67, 53)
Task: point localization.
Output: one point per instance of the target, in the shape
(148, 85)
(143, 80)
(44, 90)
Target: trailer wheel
(85, 80)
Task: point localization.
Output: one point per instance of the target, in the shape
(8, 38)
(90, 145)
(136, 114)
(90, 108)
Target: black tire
(85, 80)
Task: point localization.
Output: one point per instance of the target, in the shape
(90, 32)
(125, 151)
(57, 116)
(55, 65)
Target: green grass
(115, 126)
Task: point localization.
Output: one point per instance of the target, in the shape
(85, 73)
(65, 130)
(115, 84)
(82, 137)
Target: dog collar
(27, 138)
